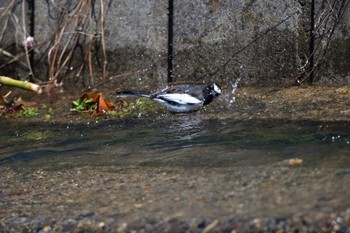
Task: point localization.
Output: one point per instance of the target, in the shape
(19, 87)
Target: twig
(113, 77)
(24, 38)
(5, 12)
(73, 37)
(20, 84)
(14, 59)
(105, 61)
(7, 9)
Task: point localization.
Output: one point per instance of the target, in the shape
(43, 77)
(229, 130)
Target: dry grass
(78, 29)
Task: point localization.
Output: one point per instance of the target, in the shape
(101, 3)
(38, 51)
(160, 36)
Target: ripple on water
(185, 142)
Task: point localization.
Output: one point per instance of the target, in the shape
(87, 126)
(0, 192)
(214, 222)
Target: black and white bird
(180, 98)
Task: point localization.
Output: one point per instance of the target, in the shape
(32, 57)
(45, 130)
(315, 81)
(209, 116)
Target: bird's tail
(132, 93)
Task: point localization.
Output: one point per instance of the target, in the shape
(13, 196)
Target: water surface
(184, 141)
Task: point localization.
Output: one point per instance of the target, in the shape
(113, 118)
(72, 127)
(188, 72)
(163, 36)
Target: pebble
(317, 222)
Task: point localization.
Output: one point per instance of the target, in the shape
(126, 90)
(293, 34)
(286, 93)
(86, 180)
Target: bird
(180, 98)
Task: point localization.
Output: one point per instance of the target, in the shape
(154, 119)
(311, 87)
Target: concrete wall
(262, 42)
(211, 33)
(136, 36)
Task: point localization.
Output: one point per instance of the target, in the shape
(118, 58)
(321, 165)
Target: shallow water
(179, 166)
(183, 141)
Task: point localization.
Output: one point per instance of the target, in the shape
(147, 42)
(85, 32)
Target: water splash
(231, 97)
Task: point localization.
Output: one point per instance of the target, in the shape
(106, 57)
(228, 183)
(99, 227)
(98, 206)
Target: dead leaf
(295, 162)
(121, 104)
(12, 106)
(102, 105)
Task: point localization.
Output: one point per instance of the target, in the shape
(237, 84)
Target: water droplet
(232, 97)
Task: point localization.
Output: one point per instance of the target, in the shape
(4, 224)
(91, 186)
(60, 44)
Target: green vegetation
(81, 105)
(29, 112)
(44, 112)
(135, 108)
(48, 112)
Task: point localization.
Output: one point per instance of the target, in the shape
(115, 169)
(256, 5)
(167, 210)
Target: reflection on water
(186, 141)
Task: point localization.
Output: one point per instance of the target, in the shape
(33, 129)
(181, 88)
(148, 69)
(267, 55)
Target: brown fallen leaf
(15, 109)
(294, 162)
(11, 106)
(102, 105)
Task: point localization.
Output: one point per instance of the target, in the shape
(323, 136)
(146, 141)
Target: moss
(30, 134)
(29, 113)
(36, 135)
(44, 112)
(135, 108)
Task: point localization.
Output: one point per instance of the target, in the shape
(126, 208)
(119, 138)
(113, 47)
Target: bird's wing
(131, 93)
(193, 90)
(180, 98)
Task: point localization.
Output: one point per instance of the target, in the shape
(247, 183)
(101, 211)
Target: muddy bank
(316, 103)
(294, 103)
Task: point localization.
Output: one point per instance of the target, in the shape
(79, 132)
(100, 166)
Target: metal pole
(312, 42)
(170, 40)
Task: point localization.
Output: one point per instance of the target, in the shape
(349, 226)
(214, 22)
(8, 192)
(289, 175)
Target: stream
(184, 142)
(179, 166)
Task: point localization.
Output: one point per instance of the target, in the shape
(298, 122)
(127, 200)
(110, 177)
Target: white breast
(180, 98)
(176, 102)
